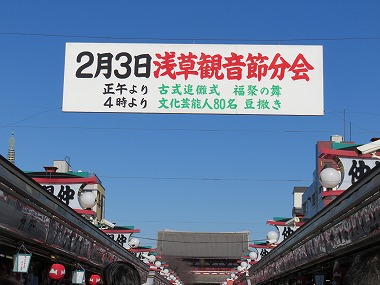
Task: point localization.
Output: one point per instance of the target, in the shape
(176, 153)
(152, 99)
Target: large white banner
(193, 78)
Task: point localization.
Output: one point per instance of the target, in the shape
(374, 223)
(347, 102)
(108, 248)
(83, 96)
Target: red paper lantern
(94, 279)
(57, 271)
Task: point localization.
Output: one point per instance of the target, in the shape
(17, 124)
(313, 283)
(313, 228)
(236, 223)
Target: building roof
(193, 244)
(299, 189)
(202, 258)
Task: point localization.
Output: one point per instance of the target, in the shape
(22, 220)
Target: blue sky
(186, 172)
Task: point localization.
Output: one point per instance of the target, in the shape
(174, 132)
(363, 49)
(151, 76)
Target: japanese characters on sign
(203, 79)
(68, 193)
(353, 169)
(351, 229)
(23, 219)
(121, 238)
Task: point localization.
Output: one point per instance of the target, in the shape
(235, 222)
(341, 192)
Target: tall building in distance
(11, 149)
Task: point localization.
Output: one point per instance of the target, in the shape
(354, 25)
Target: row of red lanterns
(58, 271)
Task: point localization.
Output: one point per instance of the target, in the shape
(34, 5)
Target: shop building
(34, 221)
(339, 220)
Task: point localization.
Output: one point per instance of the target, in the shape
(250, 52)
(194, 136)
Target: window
(313, 200)
(304, 208)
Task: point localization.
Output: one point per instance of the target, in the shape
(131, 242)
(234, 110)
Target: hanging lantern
(78, 275)
(57, 271)
(21, 260)
(94, 279)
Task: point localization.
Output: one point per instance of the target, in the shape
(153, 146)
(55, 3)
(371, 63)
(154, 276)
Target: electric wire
(14, 125)
(204, 178)
(189, 39)
(183, 129)
(26, 118)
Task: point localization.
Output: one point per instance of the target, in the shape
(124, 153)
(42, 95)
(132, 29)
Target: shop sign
(262, 252)
(68, 240)
(353, 228)
(288, 258)
(352, 169)
(193, 79)
(121, 238)
(68, 193)
(300, 255)
(102, 255)
(356, 226)
(21, 218)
